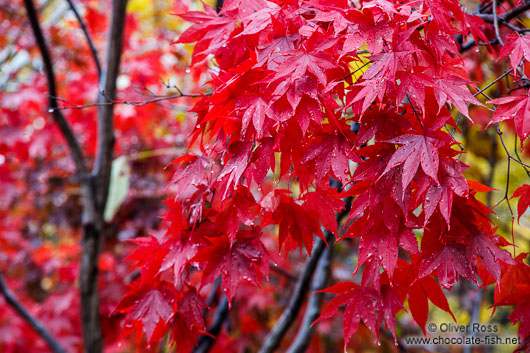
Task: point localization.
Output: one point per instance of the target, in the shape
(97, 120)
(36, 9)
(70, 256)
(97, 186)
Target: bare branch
(89, 296)
(498, 20)
(108, 94)
(13, 302)
(137, 103)
(87, 36)
(283, 272)
(481, 91)
(301, 342)
(206, 342)
(93, 231)
(273, 339)
(58, 117)
(297, 298)
(507, 16)
(465, 47)
(496, 23)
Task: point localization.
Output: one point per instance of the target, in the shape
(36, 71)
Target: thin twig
(283, 272)
(87, 36)
(465, 47)
(492, 83)
(496, 23)
(507, 16)
(110, 102)
(13, 302)
(355, 71)
(519, 157)
(414, 110)
(508, 154)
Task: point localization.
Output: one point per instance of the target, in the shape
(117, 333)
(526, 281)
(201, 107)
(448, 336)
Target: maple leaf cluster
(288, 104)
(304, 92)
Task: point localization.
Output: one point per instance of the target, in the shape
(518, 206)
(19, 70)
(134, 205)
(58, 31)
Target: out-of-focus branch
(273, 339)
(507, 16)
(58, 117)
(303, 337)
(100, 180)
(13, 302)
(107, 91)
(87, 36)
(297, 298)
(206, 342)
(283, 272)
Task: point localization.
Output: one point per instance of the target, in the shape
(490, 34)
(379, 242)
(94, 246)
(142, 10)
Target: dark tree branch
(301, 342)
(93, 231)
(87, 36)
(497, 20)
(58, 117)
(297, 298)
(496, 23)
(108, 94)
(206, 342)
(13, 302)
(507, 16)
(90, 309)
(471, 44)
(273, 339)
(91, 225)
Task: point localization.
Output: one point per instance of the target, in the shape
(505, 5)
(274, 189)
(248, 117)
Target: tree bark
(93, 232)
(303, 337)
(94, 187)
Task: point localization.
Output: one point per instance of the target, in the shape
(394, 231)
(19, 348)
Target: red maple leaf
(361, 303)
(189, 321)
(518, 47)
(523, 192)
(148, 248)
(246, 259)
(449, 260)
(209, 28)
(485, 247)
(325, 203)
(235, 165)
(330, 155)
(301, 63)
(452, 89)
(516, 108)
(297, 225)
(415, 150)
(420, 293)
(521, 314)
(148, 309)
